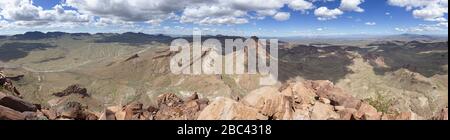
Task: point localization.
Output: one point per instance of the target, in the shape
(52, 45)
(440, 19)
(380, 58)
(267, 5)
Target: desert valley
(62, 75)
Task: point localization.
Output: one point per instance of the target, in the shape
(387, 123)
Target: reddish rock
(16, 103)
(321, 111)
(347, 113)
(388, 117)
(169, 99)
(229, 109)
(10, 114)
(50, 114)
(270, 102)
(441, 115)
(133, 111)
(367, 112)
(407, 116)
(171, 107)
(326, 89)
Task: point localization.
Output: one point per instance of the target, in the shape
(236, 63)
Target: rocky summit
(295, 100)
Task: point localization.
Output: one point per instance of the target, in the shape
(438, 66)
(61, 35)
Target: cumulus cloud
(189, 11)
(323, 13)
(300, 5)
(155, 12)
(351, 5)
(192, 11)
(430, 10)
(213, 14)
(24, 13)
(282, 16)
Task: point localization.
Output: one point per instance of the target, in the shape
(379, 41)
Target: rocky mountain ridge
(296, 100)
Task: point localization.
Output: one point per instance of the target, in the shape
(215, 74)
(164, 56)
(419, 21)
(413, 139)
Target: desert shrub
(380, 102)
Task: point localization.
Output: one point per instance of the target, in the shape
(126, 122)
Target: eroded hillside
(118, 69)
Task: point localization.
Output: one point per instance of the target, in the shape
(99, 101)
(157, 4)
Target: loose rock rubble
(170, 107)
(306, 100)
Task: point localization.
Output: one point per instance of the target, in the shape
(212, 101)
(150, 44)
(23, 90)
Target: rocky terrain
(307, 100)
(108, 75)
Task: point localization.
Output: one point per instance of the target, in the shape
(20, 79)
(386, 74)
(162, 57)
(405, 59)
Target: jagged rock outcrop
(15, 108)
(73, 89)
(301, 100)
(270, 102)
(75, 111)
(7, 84)
(170, 107)
(306, 100)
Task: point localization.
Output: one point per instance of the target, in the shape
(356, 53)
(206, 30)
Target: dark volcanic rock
(16, 103)
(73, 89)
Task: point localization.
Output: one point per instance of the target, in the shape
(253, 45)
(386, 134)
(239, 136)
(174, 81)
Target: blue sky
(375, 17)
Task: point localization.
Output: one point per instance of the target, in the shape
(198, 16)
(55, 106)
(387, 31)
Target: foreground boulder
(7, 84)
(305, 100)
(10, 114)
(228, 109)
(327, 90)
(299, 100)
(270, 102)
(16, 103)
(170, 107)
(366, 112)
(321, 111)
(76, 111)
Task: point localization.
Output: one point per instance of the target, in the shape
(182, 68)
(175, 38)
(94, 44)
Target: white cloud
(282, 16)
(300, 5)
(443, 26)
(351, 5)
(189, 11)
(323, 13)
(24, 13)
(371, 23)
(155, 12)
(430, 10)
(192, 11)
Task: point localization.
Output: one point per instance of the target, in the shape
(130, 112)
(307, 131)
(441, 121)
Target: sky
(228, 17)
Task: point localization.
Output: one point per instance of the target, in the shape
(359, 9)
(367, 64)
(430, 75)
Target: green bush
(381, 103)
